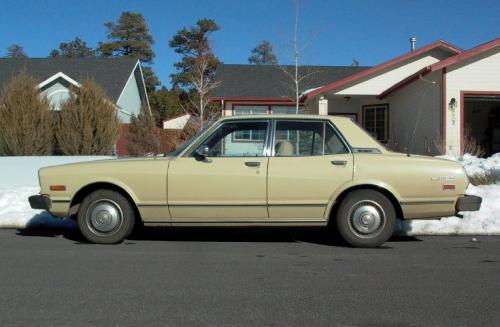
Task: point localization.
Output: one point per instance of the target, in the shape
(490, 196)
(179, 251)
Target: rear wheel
(366, 218)
(105, 217)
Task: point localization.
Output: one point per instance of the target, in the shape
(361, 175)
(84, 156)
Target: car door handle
(339, 162)
(252, 164)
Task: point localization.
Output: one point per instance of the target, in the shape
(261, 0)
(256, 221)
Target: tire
(105, 217)
(366, 218)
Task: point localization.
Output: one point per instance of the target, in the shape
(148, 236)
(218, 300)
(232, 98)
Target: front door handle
(252, 164)
(339, 162)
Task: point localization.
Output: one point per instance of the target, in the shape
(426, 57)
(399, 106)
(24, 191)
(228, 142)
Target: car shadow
(45, 225)
(318, 236)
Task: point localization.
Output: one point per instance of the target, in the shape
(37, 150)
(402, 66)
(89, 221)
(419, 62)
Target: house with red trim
(435, 99)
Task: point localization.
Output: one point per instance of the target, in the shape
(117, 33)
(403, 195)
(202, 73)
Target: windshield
(190, 141)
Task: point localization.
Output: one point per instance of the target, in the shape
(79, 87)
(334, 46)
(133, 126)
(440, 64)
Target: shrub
(143, 137)
(26, 124)
(88, 122)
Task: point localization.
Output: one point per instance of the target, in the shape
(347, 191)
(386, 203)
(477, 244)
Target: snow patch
(15, 211)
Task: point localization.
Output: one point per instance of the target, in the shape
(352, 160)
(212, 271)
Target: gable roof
(270, 82)
(109, 73)
(442, 64)
(375, 69)
(466, 54)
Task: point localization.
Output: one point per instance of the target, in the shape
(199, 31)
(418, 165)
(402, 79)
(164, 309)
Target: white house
(432, 99)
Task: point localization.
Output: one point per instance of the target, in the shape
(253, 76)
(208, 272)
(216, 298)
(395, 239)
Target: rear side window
(306, 138)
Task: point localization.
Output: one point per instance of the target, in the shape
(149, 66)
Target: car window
(237, 139)
(306, 138)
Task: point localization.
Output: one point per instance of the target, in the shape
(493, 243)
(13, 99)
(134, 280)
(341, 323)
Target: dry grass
(472, 145)
(487, 179)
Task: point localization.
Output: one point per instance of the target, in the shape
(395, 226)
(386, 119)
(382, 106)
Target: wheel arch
(383, 190)
(94, 186)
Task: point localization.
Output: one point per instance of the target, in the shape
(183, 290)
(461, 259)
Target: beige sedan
(279, 170)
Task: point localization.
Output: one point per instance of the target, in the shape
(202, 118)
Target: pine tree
(76, 48)
(143, 137)
(192, 44)
(16, 51)
(26, 124)
(165, 103)
(130, 37)
(263, 54)
(88, 123)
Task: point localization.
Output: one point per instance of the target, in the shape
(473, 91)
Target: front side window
(223, 141)
(306, 138)
(375, 121)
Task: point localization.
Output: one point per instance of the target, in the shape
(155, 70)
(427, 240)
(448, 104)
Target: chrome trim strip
(426, 202)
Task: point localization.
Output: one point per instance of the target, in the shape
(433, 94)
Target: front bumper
(40, 202)
(468, 203)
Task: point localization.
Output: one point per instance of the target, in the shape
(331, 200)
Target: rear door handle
(252, 164)
(339, 162)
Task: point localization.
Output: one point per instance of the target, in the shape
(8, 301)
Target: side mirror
(201, 153)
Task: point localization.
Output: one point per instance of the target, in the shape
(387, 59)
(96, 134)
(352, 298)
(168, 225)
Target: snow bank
(486, 221)
(23, 171)
(475, 166)
(15, 211)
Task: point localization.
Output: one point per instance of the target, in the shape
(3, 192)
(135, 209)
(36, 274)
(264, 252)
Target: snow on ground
(15, 211)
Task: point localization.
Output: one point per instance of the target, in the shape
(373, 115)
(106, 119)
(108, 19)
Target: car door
(310, 161)
(229, 185)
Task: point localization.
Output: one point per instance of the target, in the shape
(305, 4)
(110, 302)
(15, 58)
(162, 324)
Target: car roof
(284, 116)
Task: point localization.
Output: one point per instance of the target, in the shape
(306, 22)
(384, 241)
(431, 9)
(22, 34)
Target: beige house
(435, 99)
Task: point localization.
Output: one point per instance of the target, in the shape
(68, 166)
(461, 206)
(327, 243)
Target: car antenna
(412, 139)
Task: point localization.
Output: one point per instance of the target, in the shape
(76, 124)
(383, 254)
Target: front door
(310, 162)
(229, 185)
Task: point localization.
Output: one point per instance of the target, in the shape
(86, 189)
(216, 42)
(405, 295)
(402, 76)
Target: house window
(250, 110)
(375, 121)
(286, 110)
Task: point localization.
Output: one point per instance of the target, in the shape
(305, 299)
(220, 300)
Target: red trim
(467, 54)
(410, 79)
(443, 111)
(375, 69)
(462, 111)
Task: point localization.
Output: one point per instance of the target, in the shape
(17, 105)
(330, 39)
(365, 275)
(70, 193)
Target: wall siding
(389, 77)
(130, 100)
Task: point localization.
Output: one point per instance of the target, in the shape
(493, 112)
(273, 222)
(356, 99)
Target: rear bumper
(468, 203)
(40, 202)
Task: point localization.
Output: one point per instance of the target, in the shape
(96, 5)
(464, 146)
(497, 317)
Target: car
(260, 170)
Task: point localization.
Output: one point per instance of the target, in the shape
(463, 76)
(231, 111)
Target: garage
(481, 130)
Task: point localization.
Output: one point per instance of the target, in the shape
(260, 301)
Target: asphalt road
(246, 278)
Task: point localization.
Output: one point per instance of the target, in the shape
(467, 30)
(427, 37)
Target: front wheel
(366, 218)
(105, 217)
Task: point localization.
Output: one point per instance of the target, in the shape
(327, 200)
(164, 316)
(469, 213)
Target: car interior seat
(284, 149)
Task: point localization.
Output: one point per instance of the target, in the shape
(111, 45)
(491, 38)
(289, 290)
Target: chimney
(413, 42)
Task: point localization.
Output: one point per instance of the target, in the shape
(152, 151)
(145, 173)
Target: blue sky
(333, 32)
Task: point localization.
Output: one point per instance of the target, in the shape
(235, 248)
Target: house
(120, 78)
(177, 122)
(435, 99)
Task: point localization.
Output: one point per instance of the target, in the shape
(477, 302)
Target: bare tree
(296, 73)
(202, 83)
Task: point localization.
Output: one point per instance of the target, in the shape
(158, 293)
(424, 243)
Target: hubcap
(366, 217)
(104, 217)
